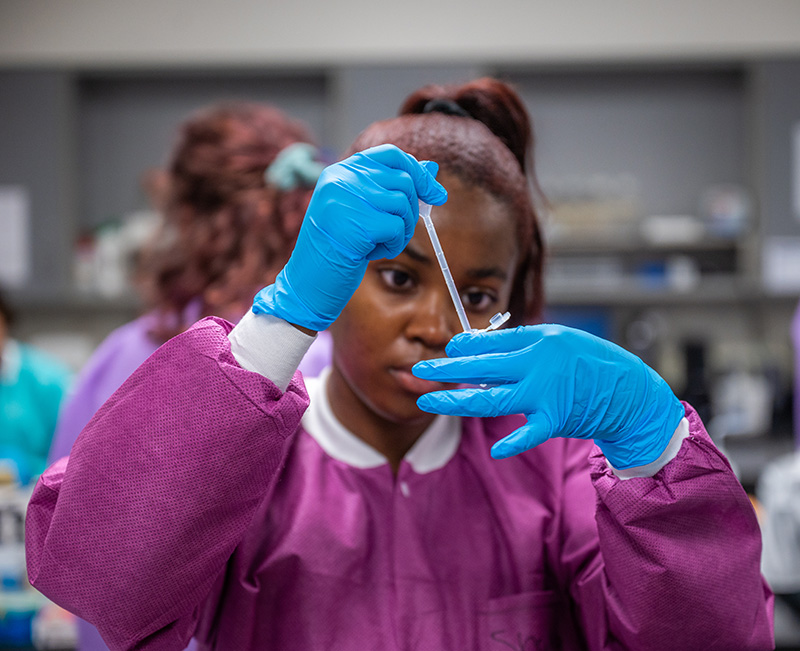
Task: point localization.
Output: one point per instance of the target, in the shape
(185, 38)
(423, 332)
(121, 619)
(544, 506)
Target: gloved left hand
(567, 383)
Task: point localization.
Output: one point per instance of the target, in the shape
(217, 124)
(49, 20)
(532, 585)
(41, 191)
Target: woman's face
(402, 312)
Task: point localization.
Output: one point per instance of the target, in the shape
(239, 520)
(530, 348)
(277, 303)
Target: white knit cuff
(681, 432)
(270, 346)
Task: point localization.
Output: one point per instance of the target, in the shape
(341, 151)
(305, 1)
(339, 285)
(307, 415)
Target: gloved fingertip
(426, 404)
(527, 437)
(443, 195)
(434, 192)
(454, 347)
(431, 167)
(501, 450)
(420, 369)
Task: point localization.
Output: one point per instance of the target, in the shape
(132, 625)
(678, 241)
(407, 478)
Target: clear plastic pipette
(425, 213)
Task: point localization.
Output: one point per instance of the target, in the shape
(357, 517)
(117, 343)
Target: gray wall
(363, 94)
(778, 112)
(210, 33)
(37, 152)
(128, 123)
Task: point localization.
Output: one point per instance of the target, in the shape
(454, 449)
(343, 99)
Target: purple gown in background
(119, 355)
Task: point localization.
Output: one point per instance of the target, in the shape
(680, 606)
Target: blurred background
(668, 143)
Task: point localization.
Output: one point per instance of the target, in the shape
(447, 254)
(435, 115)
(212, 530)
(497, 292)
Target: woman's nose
(434, 321)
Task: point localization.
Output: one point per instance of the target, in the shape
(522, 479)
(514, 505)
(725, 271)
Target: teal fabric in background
(32, 387)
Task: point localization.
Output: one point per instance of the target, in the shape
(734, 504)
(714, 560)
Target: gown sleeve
(134, 529)
(672, 561)
(115, 359)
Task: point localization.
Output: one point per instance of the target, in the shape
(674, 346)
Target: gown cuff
(681, 432)
(270, 346)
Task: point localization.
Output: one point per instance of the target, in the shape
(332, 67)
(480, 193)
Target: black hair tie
(446, 106)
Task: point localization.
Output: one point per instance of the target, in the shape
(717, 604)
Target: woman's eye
(477, 300)
(397, 279)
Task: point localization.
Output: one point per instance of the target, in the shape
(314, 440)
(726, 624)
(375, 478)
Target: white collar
(433, 449)
(10, 362)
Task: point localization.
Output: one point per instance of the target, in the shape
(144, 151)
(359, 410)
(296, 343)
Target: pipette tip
(497, 320)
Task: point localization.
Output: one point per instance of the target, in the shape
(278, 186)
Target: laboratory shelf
(631, 293)
(72, 301)
(615, 246)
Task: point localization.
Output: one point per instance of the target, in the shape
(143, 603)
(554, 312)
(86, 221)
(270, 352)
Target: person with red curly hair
(232, 199)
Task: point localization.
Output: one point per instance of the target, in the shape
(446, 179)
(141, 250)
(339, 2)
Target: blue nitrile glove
(363, 208)
(567, 383)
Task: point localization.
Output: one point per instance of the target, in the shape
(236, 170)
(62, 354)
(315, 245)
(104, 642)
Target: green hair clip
(294, 166)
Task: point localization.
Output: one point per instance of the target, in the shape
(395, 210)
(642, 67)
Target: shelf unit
(634, 271)
(74, 302)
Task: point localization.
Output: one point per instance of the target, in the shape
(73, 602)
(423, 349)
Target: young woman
(213, 497)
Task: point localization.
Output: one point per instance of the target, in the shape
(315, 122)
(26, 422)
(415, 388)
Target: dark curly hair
(479, 131)
(226, 232)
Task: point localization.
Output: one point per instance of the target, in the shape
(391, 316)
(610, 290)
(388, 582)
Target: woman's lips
(413, 384)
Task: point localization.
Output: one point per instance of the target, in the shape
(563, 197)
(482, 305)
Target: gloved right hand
(567, 382)
(363, 208)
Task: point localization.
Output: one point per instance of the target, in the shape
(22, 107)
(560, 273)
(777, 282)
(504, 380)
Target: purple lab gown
(195, 503)
(119, 355)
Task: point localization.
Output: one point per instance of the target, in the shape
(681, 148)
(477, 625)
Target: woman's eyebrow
(478, 273)
(415, 254)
